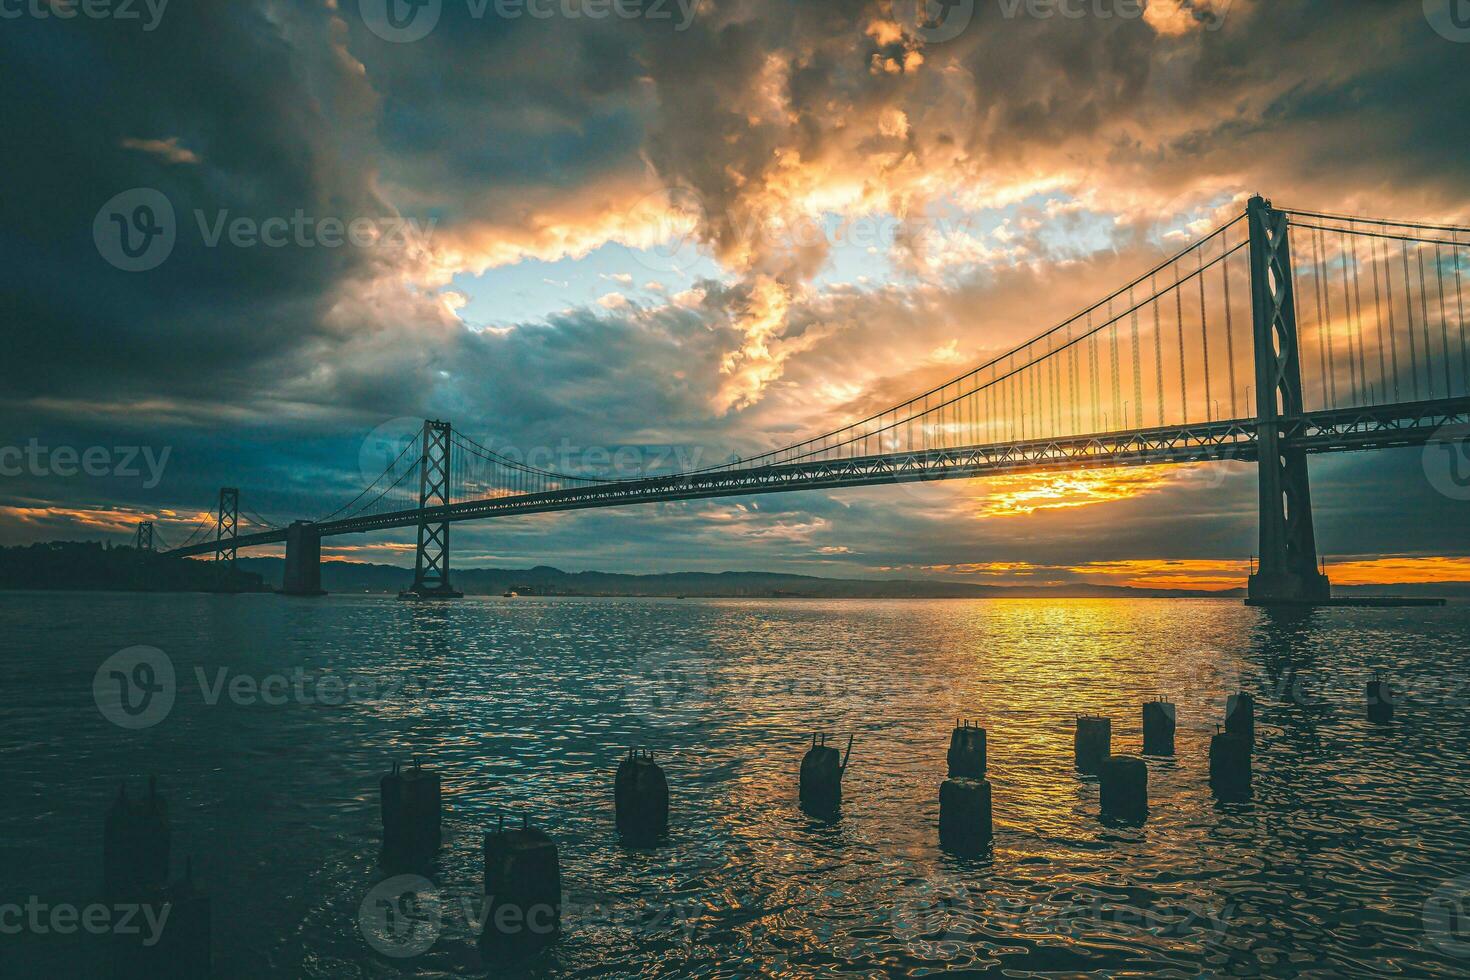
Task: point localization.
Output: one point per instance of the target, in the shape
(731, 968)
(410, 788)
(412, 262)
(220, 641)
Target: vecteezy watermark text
(136, 688)
(404, 21)
(137, 230)
(487, 461)
(403, 916)
(63, 919)
(149, 12)
(93, 461)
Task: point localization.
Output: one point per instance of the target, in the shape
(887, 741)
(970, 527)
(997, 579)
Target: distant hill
(95, 565)
(338, 576)
(92, 565)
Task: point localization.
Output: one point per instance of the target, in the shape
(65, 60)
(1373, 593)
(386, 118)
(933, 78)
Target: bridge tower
(1287, 571)
(227, 524)
(143, 537)
(431, 566)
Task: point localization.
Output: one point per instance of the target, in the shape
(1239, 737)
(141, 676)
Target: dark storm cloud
(268, 366)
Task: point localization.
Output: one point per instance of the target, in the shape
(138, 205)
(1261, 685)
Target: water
(525, 705)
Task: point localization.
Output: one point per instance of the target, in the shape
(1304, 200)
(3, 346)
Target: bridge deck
(1339, 430)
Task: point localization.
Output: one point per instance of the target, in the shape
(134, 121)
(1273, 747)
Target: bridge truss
(1142, 377)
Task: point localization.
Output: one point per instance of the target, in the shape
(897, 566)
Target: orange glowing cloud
(1399, 570)
(1026, 493)
(111, 521)
(1206, 575)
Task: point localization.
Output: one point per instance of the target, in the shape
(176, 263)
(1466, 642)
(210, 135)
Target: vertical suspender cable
(1409, 312)
(1229, 323)
(1327, 324)
(1393, 328)
(1358, 321)
(1137, 365)
(1347, 302)
(1321, 322)
(1460, 303)
(1204, 334)
(1424, 322)
(1179, 312)
(1158, 344)
(1378, 323)
(1444, 323)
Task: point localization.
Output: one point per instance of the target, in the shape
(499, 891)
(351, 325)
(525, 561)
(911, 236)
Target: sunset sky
(712, 233)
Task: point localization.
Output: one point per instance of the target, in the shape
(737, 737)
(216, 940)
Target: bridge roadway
(1337, 430)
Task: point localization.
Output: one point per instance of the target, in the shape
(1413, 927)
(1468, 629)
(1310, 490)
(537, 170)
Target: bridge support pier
(1288, 571)
(303, 574)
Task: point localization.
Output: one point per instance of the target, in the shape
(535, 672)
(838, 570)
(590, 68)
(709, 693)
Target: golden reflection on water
(533, 702)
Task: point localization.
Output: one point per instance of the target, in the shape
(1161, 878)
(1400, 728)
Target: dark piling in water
(523, 893)
(169, 937)
(821, 777)
(1123, 788)
(964, 815)
(1240, 716)
(1158, 728)
(641, 797)
(1092, 743)
(1230, 766)
(411, 805)
(967, 751)
(1380, 700)
(136, 841)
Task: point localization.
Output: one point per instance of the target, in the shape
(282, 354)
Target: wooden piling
(1092, 743)
(641, 798)
(1158, 728)
(523, 893)
(411, 804)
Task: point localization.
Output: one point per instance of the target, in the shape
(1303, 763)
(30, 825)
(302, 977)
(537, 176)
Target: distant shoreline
(76, 566)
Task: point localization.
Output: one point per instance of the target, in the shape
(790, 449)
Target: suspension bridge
(1279, 335)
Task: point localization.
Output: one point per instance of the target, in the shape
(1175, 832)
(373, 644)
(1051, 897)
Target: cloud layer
(1018, 170)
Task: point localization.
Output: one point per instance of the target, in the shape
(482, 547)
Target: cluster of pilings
(522, 869)
(137, 844)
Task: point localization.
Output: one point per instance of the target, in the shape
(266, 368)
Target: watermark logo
(677, 245)
(402, 917)
(1208, 14)
(485, 467)
(934, 21)
(389, 443)
(148, 12)
(401, 21)
(1449, 18)
(405, 21)
(97, 462)
(135, 688)
(40, 918)
(1447, 461)
(937, 918)
(136, 230)
(1201, 671)
(1447, 917)
(669, 689)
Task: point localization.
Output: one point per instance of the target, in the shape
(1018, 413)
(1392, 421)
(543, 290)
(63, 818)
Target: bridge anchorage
(1354, 339)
